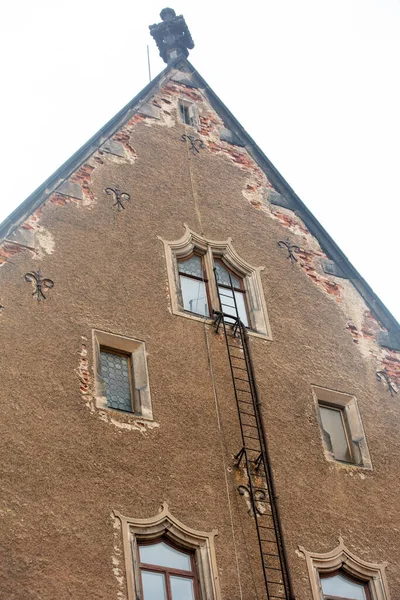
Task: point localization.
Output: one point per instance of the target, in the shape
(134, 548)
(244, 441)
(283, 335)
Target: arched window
(340, 586)
(193, 284)
(194, 292)
(167, 573)
(341, 575)
(166, 560)
(226, 280)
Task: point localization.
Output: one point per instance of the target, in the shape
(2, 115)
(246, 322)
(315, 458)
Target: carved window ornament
(342, 560)
(165, 526)
(216, 252)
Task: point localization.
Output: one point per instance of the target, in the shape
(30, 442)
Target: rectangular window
(193, 285)
(341, 427)
(232, 294)
(116, 370)
(335, 432)
(122, 380)
(187, 113)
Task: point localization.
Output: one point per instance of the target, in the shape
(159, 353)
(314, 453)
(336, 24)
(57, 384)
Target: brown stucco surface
(64, 469)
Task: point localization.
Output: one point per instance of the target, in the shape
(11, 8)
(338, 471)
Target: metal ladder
(254, 452)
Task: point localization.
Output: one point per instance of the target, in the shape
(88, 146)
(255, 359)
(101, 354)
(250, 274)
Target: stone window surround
(164, 524)
(348, 403)
(341, 558)
(224, 250)
(141, 401)
(192, 112)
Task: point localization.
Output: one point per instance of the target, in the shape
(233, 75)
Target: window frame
(204, 280)
(346, 430)
(342, 559)
(136, 350)
(216, 250)
(363, 582)
(241, 289)
(164, 525)
(354, 429)
(132, 390)
(168, 571)
(189, 109)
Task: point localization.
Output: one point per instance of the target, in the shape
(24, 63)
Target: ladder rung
(250, 437)
(248, 425)
(269, 554)
(241, 379)
(240, 368)
(246, 413)
(272, 568)
(246, 391)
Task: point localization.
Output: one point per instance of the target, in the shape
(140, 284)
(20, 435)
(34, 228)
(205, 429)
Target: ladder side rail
(266, 459)
(239, 326)
(244, 450)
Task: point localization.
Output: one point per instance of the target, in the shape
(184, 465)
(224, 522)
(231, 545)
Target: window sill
(348, 465)
(101, 404)
(210, 321)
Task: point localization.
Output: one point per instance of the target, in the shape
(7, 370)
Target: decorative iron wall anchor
(120, 197)
(40, 284)
(195, 143)
(259, 499)
(290, 249)
(385, 375)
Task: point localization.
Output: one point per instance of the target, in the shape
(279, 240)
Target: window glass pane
(228, 305)
(194, 296)
(182, 588)
(115, 372)
(332, 422)
(163, 555)
(223, 276)
(153, 586)
(192, 266)
(343, 588)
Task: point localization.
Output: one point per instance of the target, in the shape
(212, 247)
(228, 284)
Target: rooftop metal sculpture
(172, 35)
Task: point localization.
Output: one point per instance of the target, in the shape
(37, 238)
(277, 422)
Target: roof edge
(314, 226)
(34, 200)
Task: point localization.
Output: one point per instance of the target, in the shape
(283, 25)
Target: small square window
(341, 428)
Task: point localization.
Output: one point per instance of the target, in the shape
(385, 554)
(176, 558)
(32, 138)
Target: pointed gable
(220, 133)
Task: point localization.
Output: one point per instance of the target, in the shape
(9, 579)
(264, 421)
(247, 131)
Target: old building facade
(138, 462)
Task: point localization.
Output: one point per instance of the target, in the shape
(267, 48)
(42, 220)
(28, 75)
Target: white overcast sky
(315, 83)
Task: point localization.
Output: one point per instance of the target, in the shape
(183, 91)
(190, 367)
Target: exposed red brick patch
(291, 222)
(123, 136)
(8, 250)
(60, 200)
(83, 176)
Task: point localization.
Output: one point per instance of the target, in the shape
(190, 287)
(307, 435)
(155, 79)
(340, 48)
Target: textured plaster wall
(67, 465)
